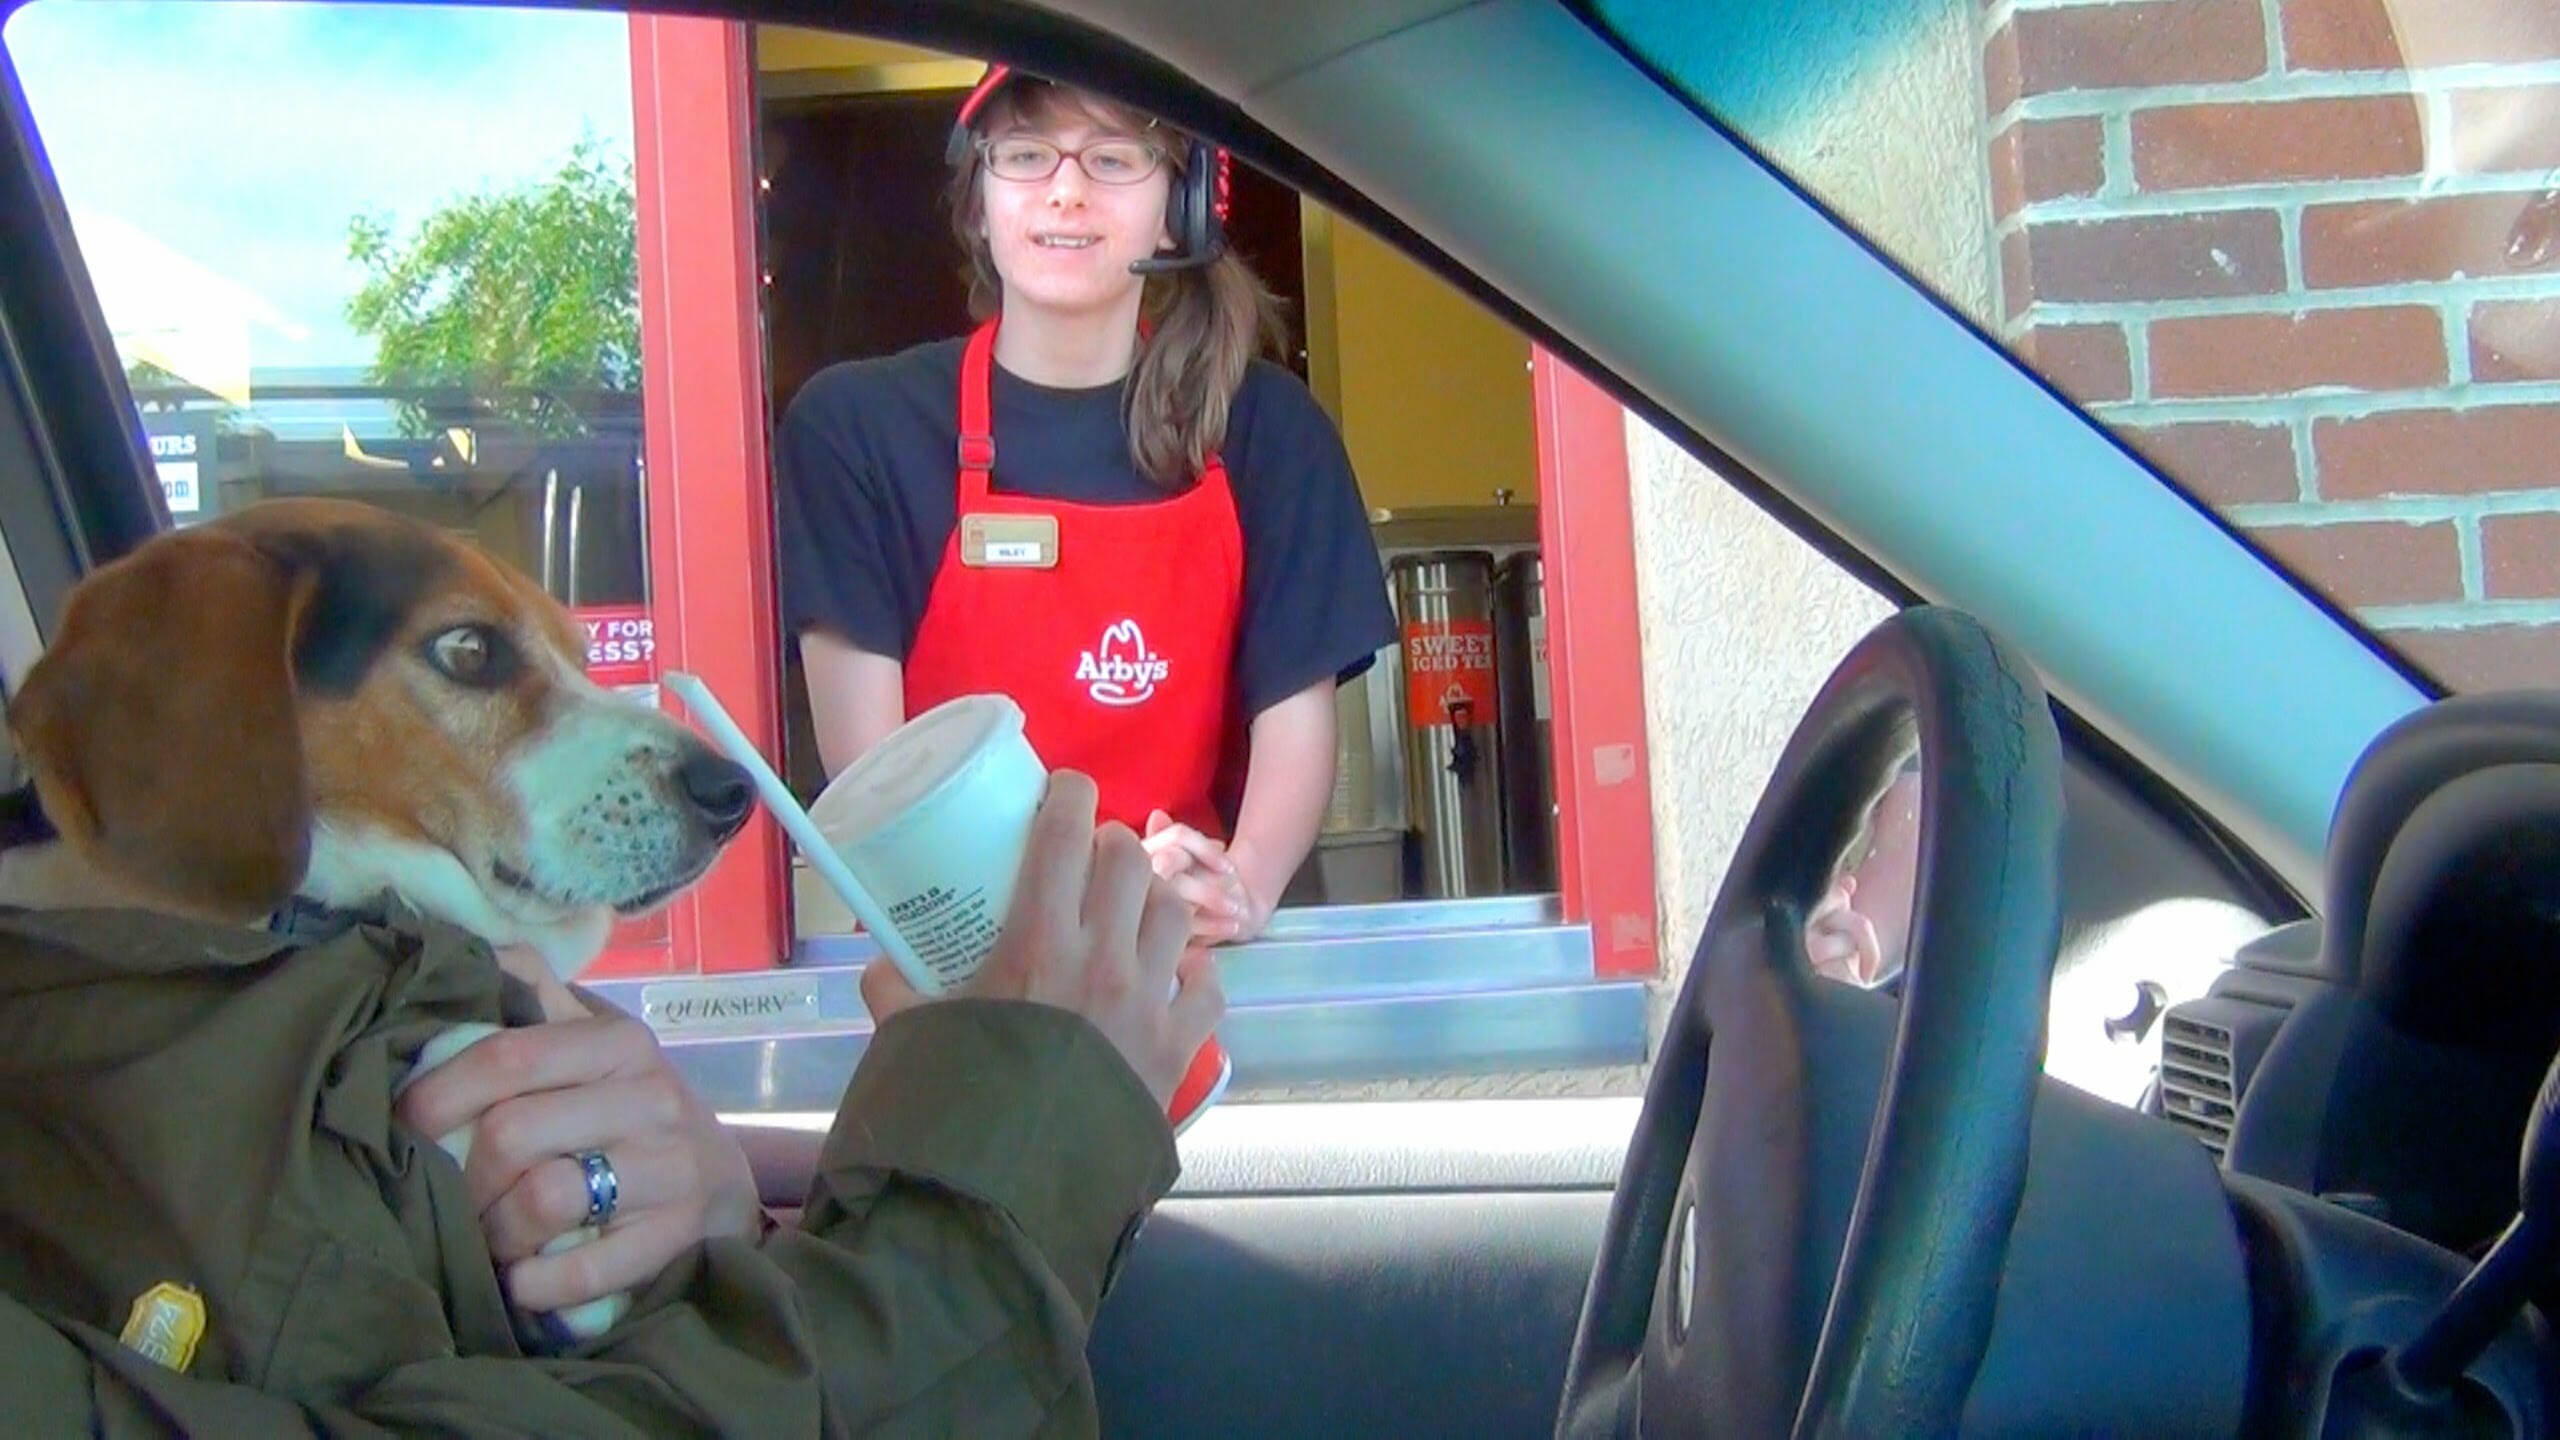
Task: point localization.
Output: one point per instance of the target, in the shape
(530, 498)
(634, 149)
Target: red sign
(1448, 664)
(622, 649)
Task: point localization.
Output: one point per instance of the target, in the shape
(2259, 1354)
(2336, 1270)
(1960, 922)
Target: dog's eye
(473, 655)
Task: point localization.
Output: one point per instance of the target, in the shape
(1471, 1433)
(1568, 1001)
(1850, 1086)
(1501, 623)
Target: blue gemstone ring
(604, 1188)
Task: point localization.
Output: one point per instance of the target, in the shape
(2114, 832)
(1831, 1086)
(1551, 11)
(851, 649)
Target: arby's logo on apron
(1122, 671)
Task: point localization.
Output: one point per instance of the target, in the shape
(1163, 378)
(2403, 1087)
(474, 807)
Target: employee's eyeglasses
(1105, 162)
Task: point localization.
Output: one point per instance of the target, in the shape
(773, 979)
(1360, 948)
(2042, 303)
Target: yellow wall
(780, 47)
(806, 63)
(1431, 391)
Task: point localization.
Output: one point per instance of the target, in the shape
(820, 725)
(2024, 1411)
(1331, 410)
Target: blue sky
(243, 135)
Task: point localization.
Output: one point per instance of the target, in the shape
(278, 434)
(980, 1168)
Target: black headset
(1195, 212)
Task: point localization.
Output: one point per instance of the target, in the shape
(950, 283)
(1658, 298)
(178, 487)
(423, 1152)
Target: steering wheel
(1790, 1248)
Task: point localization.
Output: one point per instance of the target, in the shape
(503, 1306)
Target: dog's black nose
(720, 790)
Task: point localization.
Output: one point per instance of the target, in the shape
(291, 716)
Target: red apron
(1120, 653)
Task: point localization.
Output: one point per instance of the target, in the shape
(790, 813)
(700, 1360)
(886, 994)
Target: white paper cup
(922, 839)
(934, 821)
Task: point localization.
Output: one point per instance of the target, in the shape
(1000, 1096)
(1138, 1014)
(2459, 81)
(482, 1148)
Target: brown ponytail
(1206, 324)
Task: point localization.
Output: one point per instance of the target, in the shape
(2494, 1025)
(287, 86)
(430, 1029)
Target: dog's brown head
(320, 698)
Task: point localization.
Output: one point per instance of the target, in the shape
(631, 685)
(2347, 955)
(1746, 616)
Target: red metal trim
(635, 949)
(703, 395)
(1595, 665)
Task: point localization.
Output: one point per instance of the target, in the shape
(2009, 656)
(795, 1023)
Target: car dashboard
(2393, 1076)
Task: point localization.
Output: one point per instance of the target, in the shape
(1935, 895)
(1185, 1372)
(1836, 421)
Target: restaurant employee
(1100, 502)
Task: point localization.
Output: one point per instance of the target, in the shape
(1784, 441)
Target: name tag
(1009, 542)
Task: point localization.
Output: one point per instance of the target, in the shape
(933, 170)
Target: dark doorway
(859, 258)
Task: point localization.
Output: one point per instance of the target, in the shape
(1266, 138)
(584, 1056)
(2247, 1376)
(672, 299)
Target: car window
(2302, 255)
(427, 303)
(352, 316)
(430, 301)
(426, 300)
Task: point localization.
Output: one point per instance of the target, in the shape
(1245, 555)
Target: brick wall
(2306, 255)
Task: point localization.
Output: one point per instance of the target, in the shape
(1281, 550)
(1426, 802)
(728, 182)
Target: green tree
(515, 296)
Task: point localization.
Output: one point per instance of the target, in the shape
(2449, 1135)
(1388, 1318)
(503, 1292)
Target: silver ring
(604, 1188)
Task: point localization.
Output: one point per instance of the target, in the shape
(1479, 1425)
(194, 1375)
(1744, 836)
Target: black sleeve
(836, 534)
(1315, 596)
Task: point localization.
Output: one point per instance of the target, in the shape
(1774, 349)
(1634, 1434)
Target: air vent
(2198, 1081)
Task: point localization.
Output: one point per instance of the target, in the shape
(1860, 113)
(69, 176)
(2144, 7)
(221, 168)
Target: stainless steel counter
(1345, 995)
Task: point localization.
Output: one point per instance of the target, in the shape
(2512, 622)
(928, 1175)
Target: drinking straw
(802, 830)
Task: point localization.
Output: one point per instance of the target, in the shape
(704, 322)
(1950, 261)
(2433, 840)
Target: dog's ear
(160, 725)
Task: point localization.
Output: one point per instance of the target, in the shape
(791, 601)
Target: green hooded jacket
(211, 1225)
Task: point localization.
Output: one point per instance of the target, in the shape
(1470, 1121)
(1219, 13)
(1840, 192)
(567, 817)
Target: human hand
(1092, 931)
(534, 1098)
(1840, 942)
(1202, 871)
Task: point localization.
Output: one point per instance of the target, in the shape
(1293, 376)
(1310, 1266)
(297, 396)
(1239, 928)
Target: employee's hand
(1091, 930)
(1200, 869)
(540, 1094)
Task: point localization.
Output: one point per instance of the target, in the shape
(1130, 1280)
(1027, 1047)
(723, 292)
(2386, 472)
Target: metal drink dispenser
(1453, 719)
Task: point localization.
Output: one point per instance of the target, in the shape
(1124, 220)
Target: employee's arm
(855, 697)
(1288, 784)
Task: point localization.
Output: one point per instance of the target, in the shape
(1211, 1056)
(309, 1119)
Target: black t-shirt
(866, 460)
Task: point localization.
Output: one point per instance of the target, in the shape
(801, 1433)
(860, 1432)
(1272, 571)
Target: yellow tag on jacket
(166, 1324)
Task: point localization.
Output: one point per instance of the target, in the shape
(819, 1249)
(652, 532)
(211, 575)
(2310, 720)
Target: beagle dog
(313, 702)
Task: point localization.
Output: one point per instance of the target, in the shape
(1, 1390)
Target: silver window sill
(1349, 996)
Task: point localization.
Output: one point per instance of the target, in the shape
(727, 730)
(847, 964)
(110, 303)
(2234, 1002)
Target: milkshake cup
(923, 838)
(933, 822)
